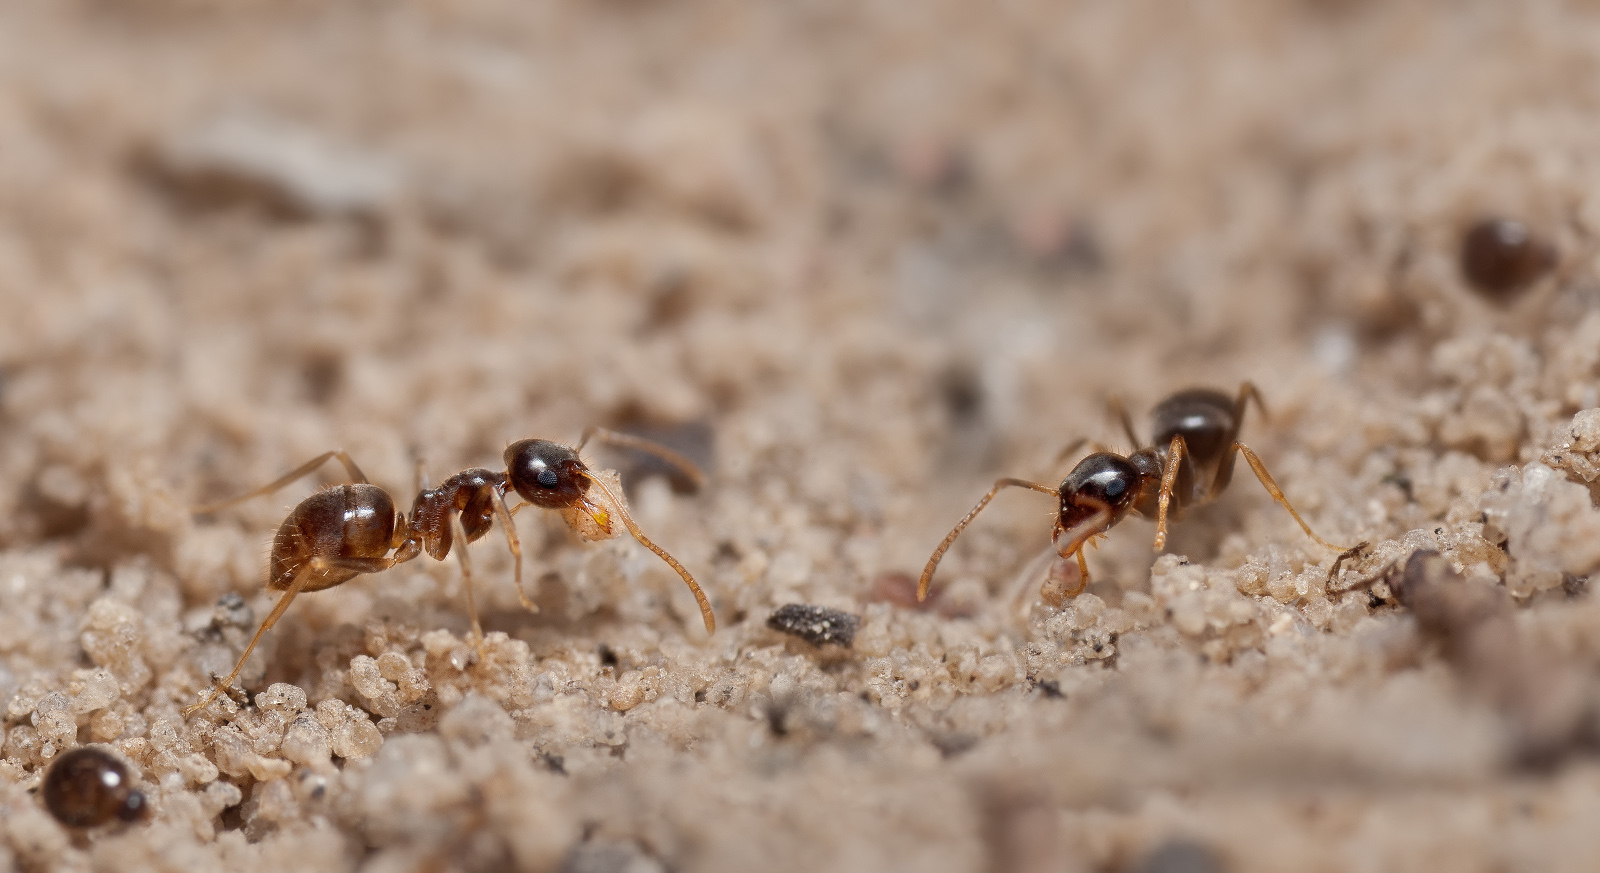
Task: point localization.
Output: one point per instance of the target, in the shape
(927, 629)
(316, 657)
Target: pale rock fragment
(98, 691)
(357, 738)
(282, 696)
(307, 742)
(247, 155)
(1548, 523)
(475, 721)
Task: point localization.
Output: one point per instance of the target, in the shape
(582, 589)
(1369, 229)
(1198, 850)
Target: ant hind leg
(277, 612)
(1271, 485)
(356, 476)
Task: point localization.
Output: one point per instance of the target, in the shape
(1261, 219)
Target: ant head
(1103, 484)
(546, 474)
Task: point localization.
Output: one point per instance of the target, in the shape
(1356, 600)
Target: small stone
(197, 768)
(284, 168)
(476, 720)
(283, 697)
(1501, 258)
(106, 725)
(232, 611)
(87, 787)
(307, 742)
(221, 795)
(818, 625)
(163, 735)
(54, 721)
(99, 691)
(357, 738)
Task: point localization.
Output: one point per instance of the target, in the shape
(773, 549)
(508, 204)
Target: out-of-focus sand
(862, 259)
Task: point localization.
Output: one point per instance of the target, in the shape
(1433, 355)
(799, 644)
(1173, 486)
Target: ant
(344, 531)
(1196, 439)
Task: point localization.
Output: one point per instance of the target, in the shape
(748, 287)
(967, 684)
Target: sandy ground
(859, 260)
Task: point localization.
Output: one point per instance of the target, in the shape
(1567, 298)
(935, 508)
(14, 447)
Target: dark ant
(1190, 464)
(344, 531)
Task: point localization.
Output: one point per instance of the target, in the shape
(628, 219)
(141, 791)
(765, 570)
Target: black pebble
(817, 625)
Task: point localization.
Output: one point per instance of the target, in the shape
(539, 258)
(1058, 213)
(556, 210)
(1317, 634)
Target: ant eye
(1115, 487)
(547, 478)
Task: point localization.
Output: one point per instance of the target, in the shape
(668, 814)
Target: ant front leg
(1176, 454)
(503, 515)
(459, 535)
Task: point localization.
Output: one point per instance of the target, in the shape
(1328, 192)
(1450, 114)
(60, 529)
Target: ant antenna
(688, 468)
(621, 509)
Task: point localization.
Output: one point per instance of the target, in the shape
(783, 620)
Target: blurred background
(859, 259)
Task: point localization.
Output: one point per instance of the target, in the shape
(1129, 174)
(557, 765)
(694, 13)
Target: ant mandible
(344, 531)
(1195, 433)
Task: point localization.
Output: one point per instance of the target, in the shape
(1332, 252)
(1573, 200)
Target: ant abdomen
(346, 521)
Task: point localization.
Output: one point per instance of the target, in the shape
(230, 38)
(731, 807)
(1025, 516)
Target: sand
(858, 260)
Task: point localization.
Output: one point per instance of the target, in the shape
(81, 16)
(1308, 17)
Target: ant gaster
(1190, 464)
(343, 531)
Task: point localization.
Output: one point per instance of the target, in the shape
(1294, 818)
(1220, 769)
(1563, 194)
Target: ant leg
(1169, 479)
(1127, 423)
(459, 536)
(1277, 493)
(1083, 573)
(272, 619)
(706, 615)
(510, 528)
(628, 441)
(1076, 444)
(344, 458)
(944, 546)
(318, 564)
(1248, 392)
(1068, 449)
(1224, 471)
(421, 476)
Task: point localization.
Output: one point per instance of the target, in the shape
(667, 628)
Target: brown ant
(344, 531)
(1190, 464)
